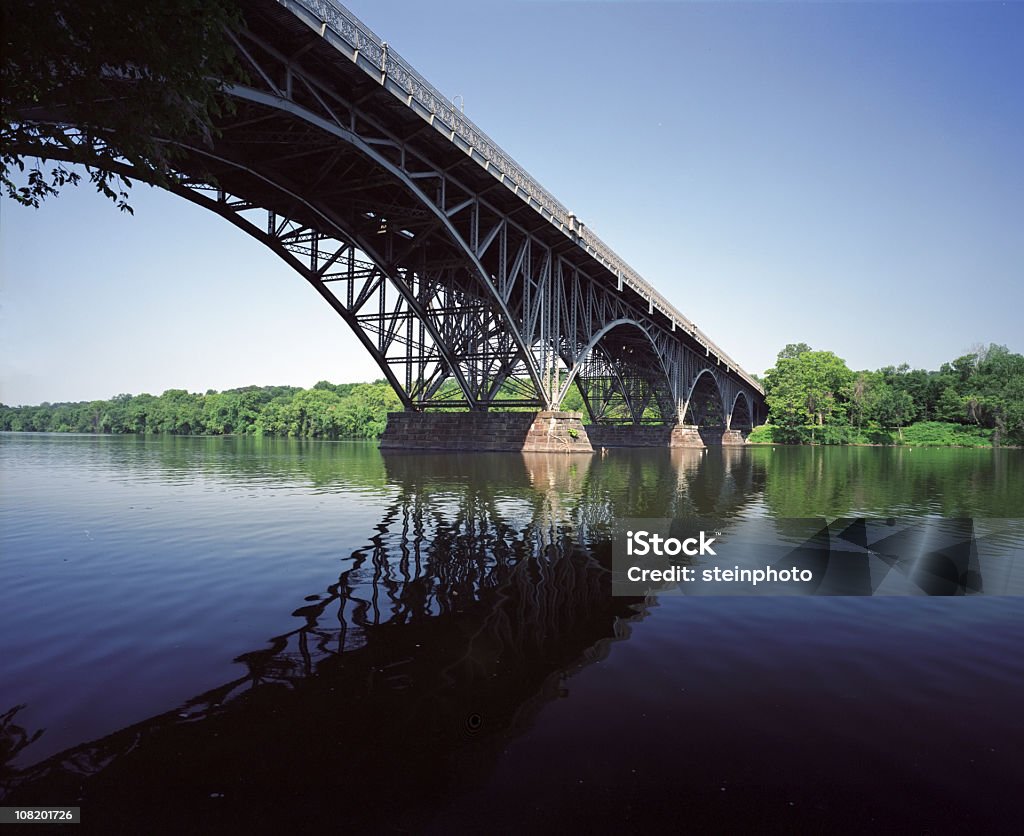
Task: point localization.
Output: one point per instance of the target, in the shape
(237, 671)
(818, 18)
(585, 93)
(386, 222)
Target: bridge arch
(705, 404)
(296, 234)
(741, 415)
(621, 375)
(474, 386)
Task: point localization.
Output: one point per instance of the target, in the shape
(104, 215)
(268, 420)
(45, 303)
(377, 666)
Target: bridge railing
(443, 114)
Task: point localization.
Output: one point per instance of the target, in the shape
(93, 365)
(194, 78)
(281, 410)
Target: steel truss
(453, 276)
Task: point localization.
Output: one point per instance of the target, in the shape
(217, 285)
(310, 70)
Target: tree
(312, 414)
(964, 367)
(892, 407)
(860, 396)
(573, 401)
(105, 83)
(220, 412)
(364, 413)
(785, 394)
(178, 411)
(811, 388)
(950, 406)
(793, 350)
(139, 412)
(273, 418)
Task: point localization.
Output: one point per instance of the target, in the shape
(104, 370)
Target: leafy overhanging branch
(105, 83)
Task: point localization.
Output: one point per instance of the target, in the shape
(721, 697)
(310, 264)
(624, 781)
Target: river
(199, 634)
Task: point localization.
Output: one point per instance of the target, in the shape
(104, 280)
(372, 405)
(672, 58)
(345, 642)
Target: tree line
(813, 397)
(975, 400)
(328, 410)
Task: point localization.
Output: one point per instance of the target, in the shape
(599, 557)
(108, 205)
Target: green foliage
(765, 434)
(891, 407)
(364, 413)
(921, 434)
(950, 406)
(573, 401)
(793, 350)
(977, 399)
(348, 410)
(811, 386)
(109, 84)
(939, 434)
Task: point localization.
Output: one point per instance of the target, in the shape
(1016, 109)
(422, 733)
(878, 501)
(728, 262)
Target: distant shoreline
(365, 440)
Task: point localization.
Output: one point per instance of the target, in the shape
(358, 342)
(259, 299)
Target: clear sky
(849, 175)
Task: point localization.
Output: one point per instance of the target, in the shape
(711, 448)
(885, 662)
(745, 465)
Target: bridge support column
(732, 437)
(530, 432)
(662, 435)
(649, 435)
(689, 435)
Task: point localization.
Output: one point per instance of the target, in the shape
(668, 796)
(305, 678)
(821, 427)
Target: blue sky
(848, 175)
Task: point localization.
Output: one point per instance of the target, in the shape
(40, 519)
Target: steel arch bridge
(467, 282)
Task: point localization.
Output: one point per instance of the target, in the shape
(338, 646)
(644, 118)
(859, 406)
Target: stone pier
(735, 437)
(529, 432)
(663, 435)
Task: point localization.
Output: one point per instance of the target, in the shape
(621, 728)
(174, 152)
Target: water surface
(276, 633)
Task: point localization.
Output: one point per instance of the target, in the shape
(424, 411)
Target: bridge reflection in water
(419, 688)
(474, 603)
(469, 609)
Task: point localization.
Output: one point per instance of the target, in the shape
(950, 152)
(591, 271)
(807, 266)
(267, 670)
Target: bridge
(471, 286)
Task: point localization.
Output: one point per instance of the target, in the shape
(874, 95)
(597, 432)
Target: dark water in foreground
(218, 634)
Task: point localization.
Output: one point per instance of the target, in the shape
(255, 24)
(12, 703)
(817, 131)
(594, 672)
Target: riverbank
(920, 434)
(359, 411)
